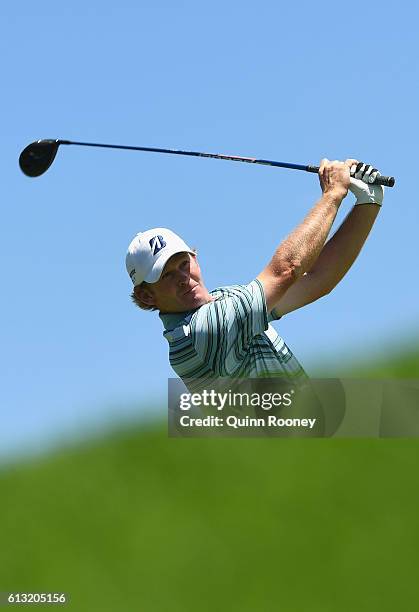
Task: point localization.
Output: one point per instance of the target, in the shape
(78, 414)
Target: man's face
(180, 287)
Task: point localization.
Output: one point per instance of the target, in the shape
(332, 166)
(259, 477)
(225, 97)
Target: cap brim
(154, 275)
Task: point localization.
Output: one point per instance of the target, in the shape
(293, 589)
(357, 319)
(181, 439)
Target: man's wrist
(368, 204)
(335, 196)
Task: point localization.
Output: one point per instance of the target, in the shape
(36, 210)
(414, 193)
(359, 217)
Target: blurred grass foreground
(138, 521)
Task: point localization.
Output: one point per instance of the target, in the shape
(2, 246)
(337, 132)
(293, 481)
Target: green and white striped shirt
(229, 337)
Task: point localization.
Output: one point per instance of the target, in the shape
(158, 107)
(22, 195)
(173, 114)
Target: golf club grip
(387, 181)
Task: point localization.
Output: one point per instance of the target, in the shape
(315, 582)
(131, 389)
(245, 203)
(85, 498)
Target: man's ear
(144, 295)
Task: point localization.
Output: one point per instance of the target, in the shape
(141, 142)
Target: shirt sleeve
(223, 329)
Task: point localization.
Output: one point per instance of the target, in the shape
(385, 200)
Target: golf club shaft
(380, 180)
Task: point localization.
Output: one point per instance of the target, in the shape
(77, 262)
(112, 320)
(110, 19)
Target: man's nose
(183, 277)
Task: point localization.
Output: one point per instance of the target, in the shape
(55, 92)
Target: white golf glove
(365, 193)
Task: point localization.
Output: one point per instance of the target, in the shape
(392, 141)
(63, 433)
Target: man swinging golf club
(227, 332)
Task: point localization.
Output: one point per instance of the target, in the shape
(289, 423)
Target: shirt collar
(171, 320)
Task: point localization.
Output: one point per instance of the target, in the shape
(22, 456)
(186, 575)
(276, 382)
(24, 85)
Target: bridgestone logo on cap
(157, 243)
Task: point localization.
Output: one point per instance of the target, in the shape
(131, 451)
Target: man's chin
(194, 298)
(188, 302)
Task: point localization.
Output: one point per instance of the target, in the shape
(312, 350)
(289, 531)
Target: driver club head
(37, 157)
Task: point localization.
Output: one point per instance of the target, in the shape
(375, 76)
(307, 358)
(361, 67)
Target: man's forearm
(299, 251)
(340, 252)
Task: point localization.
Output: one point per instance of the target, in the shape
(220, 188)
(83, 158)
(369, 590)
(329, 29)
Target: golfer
(226, 332)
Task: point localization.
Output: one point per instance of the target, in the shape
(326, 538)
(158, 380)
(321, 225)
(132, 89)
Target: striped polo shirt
(229, 337)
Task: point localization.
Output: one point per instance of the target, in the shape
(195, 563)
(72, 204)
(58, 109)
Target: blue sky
(293, 83)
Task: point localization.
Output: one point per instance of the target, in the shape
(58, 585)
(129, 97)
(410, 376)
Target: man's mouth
(189, 290)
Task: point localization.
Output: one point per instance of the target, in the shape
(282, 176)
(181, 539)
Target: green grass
(138, 521)
(391, 362)
(402, 364)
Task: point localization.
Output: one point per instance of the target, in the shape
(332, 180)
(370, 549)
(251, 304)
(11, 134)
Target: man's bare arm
(334, 261)
(300, 250)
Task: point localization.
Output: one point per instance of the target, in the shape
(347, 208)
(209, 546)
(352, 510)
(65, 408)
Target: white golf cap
(149, 251)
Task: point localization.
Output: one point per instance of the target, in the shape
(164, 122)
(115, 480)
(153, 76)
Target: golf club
(37, 157)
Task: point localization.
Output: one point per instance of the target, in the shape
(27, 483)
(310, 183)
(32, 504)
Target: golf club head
(37, 157)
